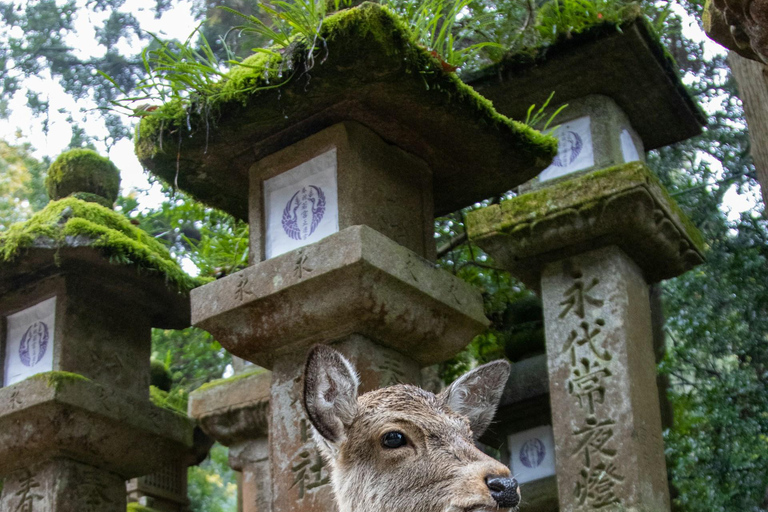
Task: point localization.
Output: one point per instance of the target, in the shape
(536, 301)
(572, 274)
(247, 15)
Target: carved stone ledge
(60, 415)
(624, 206)
(233, 410)
(356, 281)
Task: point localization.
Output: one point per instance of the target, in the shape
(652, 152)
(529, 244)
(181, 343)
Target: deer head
(403, 449)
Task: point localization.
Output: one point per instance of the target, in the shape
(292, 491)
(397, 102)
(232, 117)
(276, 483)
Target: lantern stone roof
(625, 205)
(73, 233)
(368, 69)
(624, 61)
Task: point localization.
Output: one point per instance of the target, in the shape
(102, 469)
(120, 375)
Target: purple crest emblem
(33, 344)
(569, 147)
(532, 453)
(304, 212)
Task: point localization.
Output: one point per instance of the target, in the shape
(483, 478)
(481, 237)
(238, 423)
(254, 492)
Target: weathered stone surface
(741, 26)
(628, 65)
(355, 281)
(233, 410)
(607, 121)
(379, 185)
(300, 478)
(63, 485)
(100, 330)
(602, 375)
(64, 415)
(147, 296)
(164, 490)
(373, 73)
(623, 206)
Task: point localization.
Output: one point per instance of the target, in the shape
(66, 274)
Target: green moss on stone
(580, 193)
(72, 222)
(83, 171)
(135, 507)
(159, 375)
(229, 380)
(58, 380)
(174, 402)
(258, 74)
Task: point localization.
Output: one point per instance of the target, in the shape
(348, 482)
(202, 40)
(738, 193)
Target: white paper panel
(301, 205)
(628, 148)
(575, 151)
(29, 342)
(532, 454)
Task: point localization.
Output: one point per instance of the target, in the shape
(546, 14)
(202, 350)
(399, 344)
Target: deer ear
(330, 392)
(476, 394)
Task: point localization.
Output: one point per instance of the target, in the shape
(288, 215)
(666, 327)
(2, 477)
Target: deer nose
(504, 490)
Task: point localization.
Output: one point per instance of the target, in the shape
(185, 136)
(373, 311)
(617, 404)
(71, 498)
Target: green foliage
(159, 375)
(174, 401)
(21, 188)
(83, 171)
(540, 119)
(195, 357)
(135, 507)
(212, 486)
(562, 18)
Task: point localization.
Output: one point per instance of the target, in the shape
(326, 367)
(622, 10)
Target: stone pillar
(602, 383)
(63, 484)
(379, 299)
(592, 245)
(235, 412)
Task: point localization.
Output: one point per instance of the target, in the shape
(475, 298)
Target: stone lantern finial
(84, 174)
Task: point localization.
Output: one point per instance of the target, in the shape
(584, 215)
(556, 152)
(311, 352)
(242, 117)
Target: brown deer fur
(437, 468)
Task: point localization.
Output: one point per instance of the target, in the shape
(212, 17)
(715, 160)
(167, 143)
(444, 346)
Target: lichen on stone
(58, 380)
(72, 222)
(581, 193)
(86, 173)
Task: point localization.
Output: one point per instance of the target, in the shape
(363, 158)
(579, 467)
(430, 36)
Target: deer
(404, 449)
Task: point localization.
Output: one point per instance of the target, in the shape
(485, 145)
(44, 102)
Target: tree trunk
(752, 80)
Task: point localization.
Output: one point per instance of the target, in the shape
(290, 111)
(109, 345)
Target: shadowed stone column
(592, 245)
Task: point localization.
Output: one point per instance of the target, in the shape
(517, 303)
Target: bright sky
(178, 23)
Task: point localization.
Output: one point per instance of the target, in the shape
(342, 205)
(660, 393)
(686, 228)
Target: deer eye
(394, 439)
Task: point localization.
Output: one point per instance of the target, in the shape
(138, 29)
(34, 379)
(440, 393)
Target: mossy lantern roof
(83, 238)
(368, 70)
(625, 62)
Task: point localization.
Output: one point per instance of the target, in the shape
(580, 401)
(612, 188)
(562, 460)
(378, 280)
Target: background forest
(716, 316)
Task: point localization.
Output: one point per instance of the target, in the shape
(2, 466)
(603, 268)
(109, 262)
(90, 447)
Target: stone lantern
(80, 290)
(590, 235)
(340, 178)
(235, 411)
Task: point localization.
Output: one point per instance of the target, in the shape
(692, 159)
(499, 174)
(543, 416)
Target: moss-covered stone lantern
(340, 171)
(590, 234)
(80, 290)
